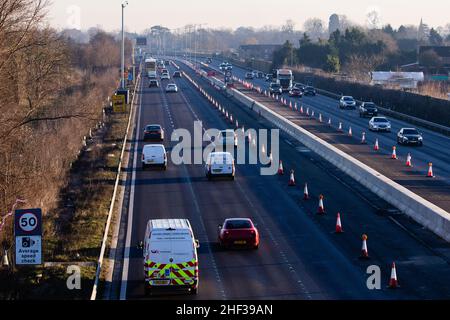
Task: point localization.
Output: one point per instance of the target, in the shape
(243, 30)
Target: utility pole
(122, 83)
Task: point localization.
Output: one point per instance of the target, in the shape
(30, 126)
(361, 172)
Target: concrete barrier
(419, 209)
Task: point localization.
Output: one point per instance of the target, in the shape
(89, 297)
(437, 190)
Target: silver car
(171, 87)
(379, 124)
(347, 102)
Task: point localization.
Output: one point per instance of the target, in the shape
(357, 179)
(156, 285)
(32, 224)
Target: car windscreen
(380, 120)
(152, 128)
(348, 99)
(369, 105)
(274, 86)
(410, 131)
(238, 224)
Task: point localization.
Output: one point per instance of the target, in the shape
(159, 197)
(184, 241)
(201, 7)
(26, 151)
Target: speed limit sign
(28, 222)
(28, 234)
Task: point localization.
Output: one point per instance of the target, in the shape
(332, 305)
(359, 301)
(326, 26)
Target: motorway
(300, 256)
(436, 147)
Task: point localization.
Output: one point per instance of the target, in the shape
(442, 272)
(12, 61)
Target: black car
(153, 132)
(275, 88)
(176, 74)
(309, 91)
(368, 109)
(153, 83)
(409, 136)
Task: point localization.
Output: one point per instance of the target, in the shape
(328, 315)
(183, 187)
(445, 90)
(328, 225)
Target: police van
(170, 256)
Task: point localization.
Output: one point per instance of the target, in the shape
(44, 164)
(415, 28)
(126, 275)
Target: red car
(295, 92)
(238, 232)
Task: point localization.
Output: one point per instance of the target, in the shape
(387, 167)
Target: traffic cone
(306, 193)
(363, 138)
(280, 169)
(254, 142)
(301, 110)
(350, 132)
(307, 111)
(364, 251)
(338, 224)
(320, 118)
(340, 127)
(263, 149)
(393, 282)
(376, 146)
(394, 153)
(237, 124)
(249, 136)
(321, 209)
(408, 160)
(270, 159)
(329, 122)
(312, 113)
(295, 107)
(292, 179)
(430, 171)
(290, 105)
(231, 118)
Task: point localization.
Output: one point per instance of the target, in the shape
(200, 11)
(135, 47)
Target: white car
(165, 76)
(220, 164)
(171, 87)
(154, 155)
(228, 138)
(347, 102)
(379, 124)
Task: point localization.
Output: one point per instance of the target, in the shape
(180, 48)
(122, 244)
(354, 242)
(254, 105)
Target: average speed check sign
(28, 234)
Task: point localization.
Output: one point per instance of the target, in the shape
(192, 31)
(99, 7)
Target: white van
(154, 155)
(170, 256)
(220, 164)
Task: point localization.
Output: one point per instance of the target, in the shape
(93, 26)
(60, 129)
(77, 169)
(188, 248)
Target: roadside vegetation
(54, 92)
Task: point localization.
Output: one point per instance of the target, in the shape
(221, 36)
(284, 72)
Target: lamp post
(122, 83)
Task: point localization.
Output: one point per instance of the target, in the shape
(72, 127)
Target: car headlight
(420, 138)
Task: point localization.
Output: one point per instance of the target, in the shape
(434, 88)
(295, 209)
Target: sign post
(28, 236)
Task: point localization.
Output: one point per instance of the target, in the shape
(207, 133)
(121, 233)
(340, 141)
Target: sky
(142, 14)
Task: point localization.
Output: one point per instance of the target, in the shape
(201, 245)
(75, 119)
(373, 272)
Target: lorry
(285, 79)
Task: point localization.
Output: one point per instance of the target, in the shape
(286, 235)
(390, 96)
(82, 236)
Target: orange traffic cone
(338, 224)
(350, 132)
(321, 209)
(376, 146)
(340, 127)
(307, 111)
(231, 118)
(430, 171)
(408, 160)
(329, 122)
(295, 107)
(393, 282)
(263, 149)
(320, 118)
(280, 169)
(363, 138)
(292, 179)
(290, 105)
(312, 113)
(270, 159)
(306, 193)
(394, 153)
(301, 110)
(364, 251)
(237, 124)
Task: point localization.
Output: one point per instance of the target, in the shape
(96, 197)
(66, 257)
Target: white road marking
(126, 258)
